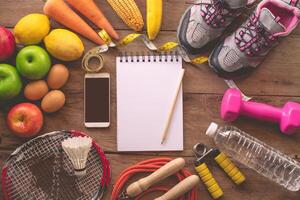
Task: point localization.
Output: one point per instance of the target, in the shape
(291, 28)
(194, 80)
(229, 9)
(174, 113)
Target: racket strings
(41, 170)
(39, 154)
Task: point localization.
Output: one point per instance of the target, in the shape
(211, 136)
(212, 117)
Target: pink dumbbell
(233, 105)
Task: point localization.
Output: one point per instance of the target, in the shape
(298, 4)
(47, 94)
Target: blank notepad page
(145, 90)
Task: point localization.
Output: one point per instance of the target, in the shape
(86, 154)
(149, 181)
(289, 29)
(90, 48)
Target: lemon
(64, 45)
(31, 29)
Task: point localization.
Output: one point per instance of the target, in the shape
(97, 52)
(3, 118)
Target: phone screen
(97, 99)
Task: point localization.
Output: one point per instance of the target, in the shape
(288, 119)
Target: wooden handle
(181, 188)
(143, 184)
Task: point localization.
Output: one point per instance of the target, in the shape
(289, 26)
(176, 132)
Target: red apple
(25, 120)
(7, 44)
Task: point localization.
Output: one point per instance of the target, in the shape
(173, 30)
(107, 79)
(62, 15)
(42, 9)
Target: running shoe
(206, 20)
(246, 48)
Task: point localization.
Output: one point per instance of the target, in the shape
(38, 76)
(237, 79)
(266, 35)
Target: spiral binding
(171, 56)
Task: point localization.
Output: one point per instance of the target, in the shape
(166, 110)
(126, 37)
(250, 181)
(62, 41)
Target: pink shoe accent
(288, 15)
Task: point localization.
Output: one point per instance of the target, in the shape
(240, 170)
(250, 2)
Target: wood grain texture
(275, 82)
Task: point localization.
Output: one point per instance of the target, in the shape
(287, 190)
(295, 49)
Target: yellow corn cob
(129, 12)
(154, 17)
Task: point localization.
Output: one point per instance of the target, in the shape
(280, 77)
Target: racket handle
(165, 171)
(181, 188)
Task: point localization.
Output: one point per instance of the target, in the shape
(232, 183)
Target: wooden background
(275, 81)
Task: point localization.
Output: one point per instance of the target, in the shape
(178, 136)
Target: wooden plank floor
(275, 81)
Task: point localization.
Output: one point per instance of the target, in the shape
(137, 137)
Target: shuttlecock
(77, 149)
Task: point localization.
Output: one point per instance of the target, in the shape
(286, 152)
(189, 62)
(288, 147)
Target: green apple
(10, 82)
(33, 62)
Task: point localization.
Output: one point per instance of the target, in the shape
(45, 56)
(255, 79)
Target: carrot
(62, 13)
(89, 9)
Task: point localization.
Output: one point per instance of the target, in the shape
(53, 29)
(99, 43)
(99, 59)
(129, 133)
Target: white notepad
(146, 86)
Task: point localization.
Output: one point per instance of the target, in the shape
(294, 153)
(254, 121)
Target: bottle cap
(212, 129)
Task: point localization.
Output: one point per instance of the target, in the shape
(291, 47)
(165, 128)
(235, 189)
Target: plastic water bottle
(257, 155)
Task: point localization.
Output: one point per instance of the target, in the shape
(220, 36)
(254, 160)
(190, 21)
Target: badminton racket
(40, 169)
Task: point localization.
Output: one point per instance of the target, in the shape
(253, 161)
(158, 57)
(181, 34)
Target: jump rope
(149, 166)
(161, 168)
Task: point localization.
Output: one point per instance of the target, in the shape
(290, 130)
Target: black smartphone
(97, 100)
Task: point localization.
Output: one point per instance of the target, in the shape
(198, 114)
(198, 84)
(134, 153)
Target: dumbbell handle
(165, 171)
(261, 111)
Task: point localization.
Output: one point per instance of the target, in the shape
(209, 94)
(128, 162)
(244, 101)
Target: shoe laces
(253, 38)
(216, 12)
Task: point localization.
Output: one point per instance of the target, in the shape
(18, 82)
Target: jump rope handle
(230, 169)
(181, 188)
(165, 171)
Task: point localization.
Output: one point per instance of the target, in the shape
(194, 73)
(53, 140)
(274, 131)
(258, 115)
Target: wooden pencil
(172, 107)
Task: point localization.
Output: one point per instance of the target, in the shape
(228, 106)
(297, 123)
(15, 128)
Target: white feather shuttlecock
(77, 149)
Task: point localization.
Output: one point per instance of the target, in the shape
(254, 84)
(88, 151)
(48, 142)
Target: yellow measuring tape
(96, 52)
